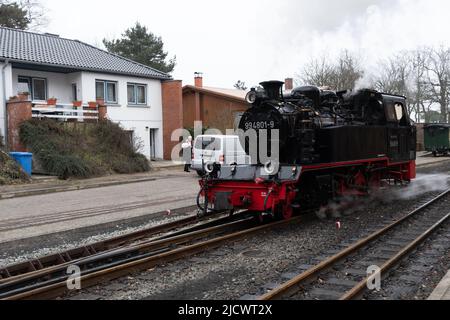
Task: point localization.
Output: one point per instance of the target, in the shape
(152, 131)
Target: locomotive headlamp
(294, 171)
(269, 168)
(251, 97)
(209, 167)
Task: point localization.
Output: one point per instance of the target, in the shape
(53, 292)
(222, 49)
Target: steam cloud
(422, 185)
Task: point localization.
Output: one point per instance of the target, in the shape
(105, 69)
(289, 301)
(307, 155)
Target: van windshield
(208, 143)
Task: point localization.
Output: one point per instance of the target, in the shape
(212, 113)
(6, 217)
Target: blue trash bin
(24, 159)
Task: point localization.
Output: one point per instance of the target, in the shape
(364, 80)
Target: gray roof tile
(35, 48)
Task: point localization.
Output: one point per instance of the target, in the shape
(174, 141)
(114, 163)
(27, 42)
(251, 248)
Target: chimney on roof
(198, 76)
(288, 84)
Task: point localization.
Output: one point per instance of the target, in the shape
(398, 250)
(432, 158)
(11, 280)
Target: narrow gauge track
(26, 268)
(344, 275)
(52, 282)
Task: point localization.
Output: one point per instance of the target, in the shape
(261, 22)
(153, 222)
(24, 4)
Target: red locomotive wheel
(287, 212)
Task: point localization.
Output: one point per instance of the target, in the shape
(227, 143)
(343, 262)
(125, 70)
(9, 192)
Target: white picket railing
(64, 112)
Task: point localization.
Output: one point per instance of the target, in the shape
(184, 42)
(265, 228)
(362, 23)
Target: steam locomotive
(310, 146)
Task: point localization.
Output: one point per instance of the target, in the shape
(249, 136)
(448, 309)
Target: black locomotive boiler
(328, 145)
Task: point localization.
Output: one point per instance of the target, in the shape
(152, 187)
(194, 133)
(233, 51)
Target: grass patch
(10, 171)
(82, 150)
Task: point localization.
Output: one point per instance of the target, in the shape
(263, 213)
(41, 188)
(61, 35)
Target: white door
(153, 143)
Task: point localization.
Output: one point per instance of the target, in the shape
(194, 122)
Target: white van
(217, 149)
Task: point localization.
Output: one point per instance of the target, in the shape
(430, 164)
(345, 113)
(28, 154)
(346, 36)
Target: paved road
(43, 214)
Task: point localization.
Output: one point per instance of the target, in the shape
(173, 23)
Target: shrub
(82, 150)
(2, 143)
(10, 171)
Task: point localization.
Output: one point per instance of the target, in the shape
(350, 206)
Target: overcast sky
(257, 40)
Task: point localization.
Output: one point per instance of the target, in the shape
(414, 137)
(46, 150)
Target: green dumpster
(437, 139)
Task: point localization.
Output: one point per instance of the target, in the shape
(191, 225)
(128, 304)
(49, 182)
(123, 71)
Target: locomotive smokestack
(198, 77)
(289, 84)
(273, 89)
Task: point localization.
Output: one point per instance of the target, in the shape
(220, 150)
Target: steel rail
(362, 286)
(60, 288)
(119, 255)
(11, 271)
(290, 286)
(16, 271)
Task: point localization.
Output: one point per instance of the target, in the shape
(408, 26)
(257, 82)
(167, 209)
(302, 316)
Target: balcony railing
(64, 112)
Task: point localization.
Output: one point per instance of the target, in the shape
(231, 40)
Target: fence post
(102, 110)
(19, 109)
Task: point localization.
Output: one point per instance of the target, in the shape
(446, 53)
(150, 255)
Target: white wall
(137, 119)
(5, 84)
(59, 85)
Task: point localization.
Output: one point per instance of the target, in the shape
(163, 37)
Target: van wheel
(200, 173)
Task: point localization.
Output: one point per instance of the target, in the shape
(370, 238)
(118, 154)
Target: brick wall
(420, 137)
(215, 111)
(19, 110)
(172, 102)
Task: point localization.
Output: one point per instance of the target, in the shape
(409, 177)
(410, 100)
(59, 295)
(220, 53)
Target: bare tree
(438, 78)
(420, 89)
(36, 13)
(240, 85)
(347, 71)
(318, 72)
(339, 74)
(393, 75)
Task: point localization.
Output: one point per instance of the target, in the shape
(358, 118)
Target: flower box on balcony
(92, 105)
(24, 96)
(77, 104)
(52, 101)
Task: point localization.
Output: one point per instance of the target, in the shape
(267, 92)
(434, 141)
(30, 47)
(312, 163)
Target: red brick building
(216, 108)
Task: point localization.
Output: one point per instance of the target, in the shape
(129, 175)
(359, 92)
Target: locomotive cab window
(395, 112)
(399, 111)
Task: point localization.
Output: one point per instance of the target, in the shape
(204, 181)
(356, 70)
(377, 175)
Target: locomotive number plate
(260, 125)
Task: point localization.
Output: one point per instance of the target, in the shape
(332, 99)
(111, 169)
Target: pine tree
(140, 45)
(13, 16)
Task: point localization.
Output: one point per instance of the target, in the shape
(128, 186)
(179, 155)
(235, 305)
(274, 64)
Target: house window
(37, 87)
(106, 90)
(74, 92)
(137, 94)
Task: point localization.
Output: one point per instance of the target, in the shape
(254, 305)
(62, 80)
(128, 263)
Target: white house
(48, 66)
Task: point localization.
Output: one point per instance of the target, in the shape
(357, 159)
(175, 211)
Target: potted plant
(77, 104)
(23, 95)
(52, 101)
(92, 104)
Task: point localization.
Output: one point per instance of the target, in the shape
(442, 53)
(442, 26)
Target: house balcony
(67, 112)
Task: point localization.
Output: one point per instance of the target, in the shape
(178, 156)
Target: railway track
(345, 275)
(51, 282)
(22, 269)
